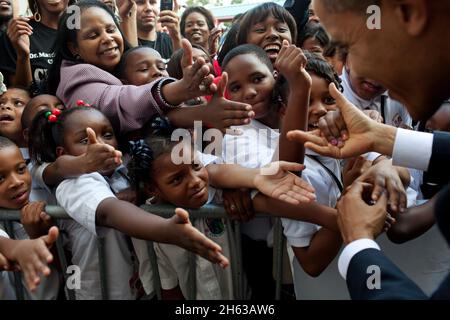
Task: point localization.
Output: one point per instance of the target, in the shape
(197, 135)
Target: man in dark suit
(396, 53)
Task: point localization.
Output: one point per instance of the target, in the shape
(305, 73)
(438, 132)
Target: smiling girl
(266, 26)
(86, 61)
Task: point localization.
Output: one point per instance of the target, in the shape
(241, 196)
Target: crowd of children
(98, 140)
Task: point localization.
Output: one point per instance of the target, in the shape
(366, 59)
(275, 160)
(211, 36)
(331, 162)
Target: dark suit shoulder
(372, 276)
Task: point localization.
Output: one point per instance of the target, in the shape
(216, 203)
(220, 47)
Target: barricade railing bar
(166, 211)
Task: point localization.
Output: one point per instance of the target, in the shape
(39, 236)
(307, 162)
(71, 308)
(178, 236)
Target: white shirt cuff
(350, 250)
(417, 157)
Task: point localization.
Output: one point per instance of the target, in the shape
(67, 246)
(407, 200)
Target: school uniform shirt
(255, 148)
(118, 182)
(300, 233)
(49, 286)
(162, 44)
(393, 112)
(212, 282)
(41, 51)
(80, 197)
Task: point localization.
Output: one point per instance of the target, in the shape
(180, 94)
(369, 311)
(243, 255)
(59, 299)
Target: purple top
(127, 107)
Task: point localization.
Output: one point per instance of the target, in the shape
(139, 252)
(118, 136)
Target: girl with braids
(157, 171)
(95, 209)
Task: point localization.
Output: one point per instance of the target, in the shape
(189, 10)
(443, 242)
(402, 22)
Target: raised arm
(291, 64)
(127, 12)
(19, 32)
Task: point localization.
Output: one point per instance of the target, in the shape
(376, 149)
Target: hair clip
(52, 116)
(161, 124)
(81, 103)
(143, 154)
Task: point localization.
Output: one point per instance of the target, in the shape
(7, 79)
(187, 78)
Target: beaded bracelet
(159, 97)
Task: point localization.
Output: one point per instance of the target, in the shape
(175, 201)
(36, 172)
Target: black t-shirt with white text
(163, 44)
(41, 51)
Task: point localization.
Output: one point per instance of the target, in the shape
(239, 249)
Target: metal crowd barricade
(166, 211)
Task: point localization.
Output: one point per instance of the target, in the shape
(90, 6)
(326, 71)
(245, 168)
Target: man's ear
(73, 48)
(60, 151)
(414, 15)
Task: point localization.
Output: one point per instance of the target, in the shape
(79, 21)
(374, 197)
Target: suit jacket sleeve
(394, 284)
(438, 169)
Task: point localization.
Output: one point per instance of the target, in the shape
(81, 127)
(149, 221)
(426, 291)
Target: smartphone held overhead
(166, 5)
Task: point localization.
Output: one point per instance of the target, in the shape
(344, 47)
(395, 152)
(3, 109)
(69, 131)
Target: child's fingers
(92, 137)
(181, 216)
(329, 130)
(395, 192)
(51, 237)
(289, 166)
(186, 59)
(302, 193)
(222, 85)
(240, 113)
(45, 217)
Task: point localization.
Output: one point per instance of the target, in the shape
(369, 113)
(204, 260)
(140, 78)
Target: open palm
(359, 126)
(276, 181)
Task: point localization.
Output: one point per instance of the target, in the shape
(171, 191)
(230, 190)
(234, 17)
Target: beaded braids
(157, 141)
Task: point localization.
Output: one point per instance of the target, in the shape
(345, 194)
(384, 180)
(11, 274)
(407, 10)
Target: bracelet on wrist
(159, 95)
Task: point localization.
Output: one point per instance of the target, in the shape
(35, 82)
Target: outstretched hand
(196, 75)
(357, 219)
(276, 181)
(189, 238)
(222, 113)
(35, 220)
(197, 79)
(100, 157)
(33, 257)
(19, 32)
(364, 134)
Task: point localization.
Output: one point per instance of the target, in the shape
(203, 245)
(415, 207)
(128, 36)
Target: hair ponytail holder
(52, 116)
(81, 103)
(142, 153)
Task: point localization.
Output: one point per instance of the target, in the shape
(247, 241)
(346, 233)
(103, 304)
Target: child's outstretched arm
(275, 180)
(196, 82)
(218, 113)
(291, 64)
(412, 223)
(312, 212)
(315, 258)
(177, 230)
(98, 157)
(32, 256)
